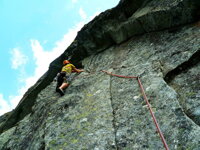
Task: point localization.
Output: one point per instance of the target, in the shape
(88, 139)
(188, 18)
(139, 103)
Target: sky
(32, 34)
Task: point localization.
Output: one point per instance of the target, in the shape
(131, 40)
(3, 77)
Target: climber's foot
(60, 91)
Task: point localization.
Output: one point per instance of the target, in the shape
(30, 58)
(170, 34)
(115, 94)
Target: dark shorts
(62, 77)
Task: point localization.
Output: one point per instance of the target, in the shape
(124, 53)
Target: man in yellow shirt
(64, 77)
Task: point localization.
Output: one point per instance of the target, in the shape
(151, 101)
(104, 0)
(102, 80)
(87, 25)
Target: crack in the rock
(191, 117)
(114, 113)
(141, 24)
(43, 145)
(187, 115)
(191, 62)
(184, 67)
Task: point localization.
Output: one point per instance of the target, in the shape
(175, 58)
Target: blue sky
(32, 34)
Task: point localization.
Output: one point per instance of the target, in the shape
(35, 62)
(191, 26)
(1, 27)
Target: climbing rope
(147, 102)
(119, 75)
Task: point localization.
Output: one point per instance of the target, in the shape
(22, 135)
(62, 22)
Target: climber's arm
(77, 70)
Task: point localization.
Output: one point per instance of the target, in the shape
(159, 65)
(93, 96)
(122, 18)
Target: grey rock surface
(128, 18)
(99, 111)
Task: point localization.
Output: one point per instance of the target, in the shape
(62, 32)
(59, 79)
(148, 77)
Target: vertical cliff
(158, 40)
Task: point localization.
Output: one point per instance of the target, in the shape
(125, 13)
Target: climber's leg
(60, 80)
(64, 86)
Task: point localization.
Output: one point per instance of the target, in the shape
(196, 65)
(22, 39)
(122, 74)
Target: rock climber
(65, 76)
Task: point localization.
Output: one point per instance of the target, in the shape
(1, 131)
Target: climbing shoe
(60, 91)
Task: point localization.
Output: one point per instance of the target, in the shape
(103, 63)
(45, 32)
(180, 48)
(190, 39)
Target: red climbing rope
(119, 75)
(152, 114)
(148, 104)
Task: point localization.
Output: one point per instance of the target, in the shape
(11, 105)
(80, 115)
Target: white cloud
(82, 13)
(18, 58)
(18, 61)
(14, 100)
(43, 58)
(93, 16)
(4, 106)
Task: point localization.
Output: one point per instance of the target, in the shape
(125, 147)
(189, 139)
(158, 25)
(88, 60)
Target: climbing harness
(147, 102)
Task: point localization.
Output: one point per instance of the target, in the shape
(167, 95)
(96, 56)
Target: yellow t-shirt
(68, 68)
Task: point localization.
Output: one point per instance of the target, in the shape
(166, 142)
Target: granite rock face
(156, 40)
